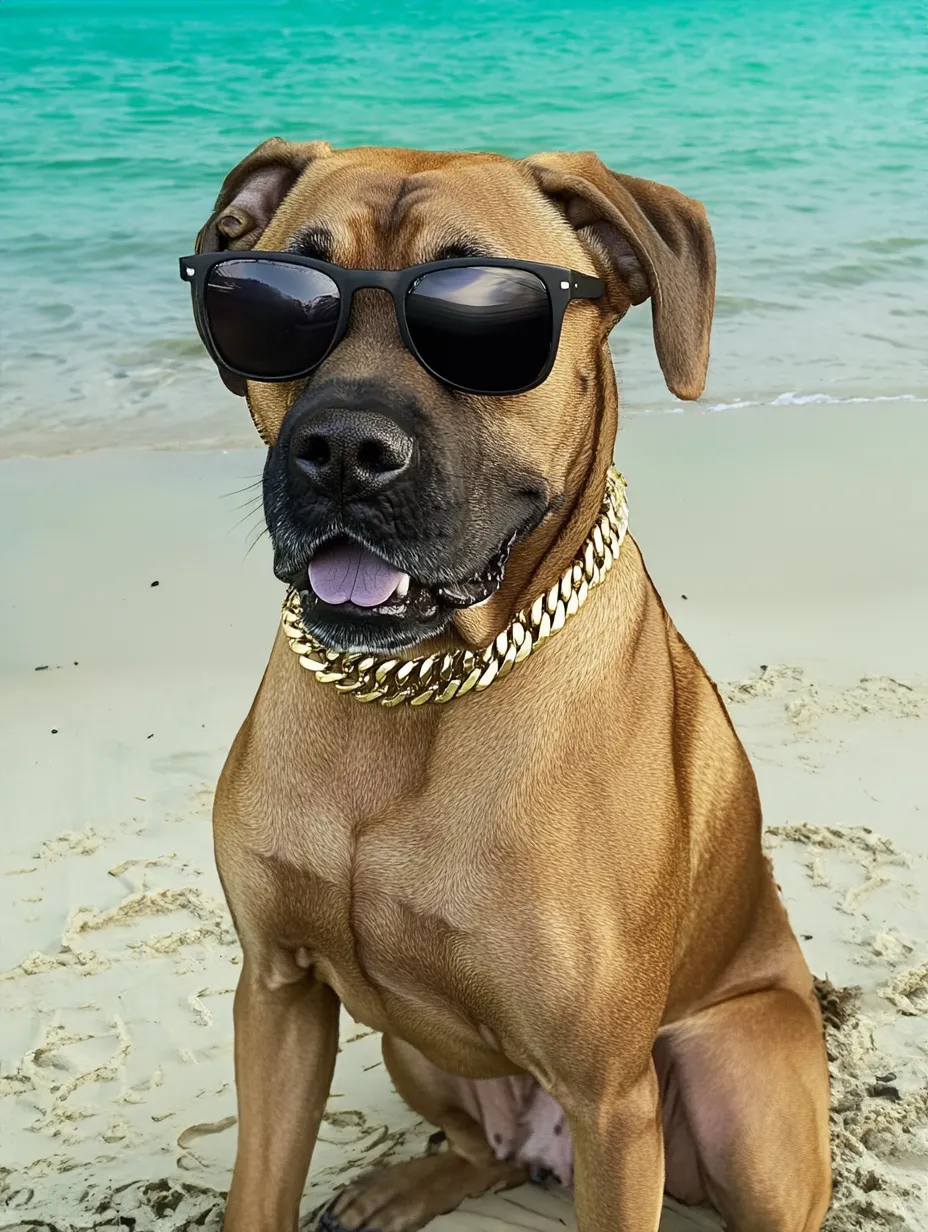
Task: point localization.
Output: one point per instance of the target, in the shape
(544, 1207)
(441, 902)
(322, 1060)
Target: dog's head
(378, 470)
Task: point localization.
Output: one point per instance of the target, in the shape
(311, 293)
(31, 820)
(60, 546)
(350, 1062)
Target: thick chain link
(442, 677)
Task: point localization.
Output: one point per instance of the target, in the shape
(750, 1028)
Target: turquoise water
(800, 125)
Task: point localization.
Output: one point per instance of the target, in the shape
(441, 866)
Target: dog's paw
(401, 1198)
(328, 1221)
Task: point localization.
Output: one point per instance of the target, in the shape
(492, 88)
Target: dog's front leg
(286, 1038)
(619, 1157)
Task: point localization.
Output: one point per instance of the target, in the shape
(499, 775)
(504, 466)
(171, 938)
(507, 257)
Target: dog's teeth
(402, 587)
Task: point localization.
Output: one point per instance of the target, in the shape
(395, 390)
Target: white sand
(798, 536)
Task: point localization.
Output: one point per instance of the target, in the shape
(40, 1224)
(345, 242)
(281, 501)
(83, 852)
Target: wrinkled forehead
(393, 208)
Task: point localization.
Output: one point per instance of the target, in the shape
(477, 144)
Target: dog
(548, 892)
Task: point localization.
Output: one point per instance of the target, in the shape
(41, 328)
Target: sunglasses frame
(562, 286)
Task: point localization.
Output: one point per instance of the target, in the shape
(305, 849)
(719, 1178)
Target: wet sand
(790, 547)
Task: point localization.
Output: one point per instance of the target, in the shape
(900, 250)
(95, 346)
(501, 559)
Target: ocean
(801, 126)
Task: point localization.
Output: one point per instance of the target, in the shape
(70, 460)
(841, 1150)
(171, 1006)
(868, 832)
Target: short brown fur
(561, 877)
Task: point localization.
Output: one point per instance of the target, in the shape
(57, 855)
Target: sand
(790, 547)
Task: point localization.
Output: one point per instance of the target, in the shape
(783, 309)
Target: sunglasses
(482, 326)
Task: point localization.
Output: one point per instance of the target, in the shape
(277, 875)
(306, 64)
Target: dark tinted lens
(481, 327)
(269, 319)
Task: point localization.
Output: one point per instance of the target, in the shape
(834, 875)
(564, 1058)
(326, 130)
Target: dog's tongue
(347, 571)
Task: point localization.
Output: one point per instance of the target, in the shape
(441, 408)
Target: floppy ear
(252, 192)
(646, 240)
(249, 198)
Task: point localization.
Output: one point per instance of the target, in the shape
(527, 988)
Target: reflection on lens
(269, 319)
(485, 328)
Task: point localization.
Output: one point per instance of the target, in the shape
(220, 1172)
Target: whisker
(238, 491)
(254, 543)
(253, 503)
(244, 518)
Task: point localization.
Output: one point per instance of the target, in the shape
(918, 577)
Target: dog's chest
(407, 949)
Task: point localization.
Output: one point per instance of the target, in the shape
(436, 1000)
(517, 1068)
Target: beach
(783, 517)
(789, 546)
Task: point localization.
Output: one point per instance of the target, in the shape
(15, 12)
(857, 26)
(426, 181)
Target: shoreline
(147, 434)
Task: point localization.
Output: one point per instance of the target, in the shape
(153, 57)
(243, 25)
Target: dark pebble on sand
(54, 731)
(156, 583)
(880, 1090)
(43, 668)
(149, 737)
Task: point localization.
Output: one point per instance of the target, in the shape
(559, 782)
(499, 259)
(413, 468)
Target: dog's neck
(544, 557)
(540, 561)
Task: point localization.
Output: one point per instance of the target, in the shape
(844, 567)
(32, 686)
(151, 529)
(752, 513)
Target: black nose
(350, 454)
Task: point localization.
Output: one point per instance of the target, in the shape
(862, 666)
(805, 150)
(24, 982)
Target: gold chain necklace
(441, 677)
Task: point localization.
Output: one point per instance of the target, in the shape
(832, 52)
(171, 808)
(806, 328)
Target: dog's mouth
(346, 581)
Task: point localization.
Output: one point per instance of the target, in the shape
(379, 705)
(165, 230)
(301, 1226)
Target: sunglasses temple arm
(585, 286)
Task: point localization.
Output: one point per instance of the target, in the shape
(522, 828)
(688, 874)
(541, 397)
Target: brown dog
(550, 895)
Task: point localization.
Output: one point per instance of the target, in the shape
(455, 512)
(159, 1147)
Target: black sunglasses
(483, 325)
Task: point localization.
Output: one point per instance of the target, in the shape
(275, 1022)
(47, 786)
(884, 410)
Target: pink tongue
(347, 571)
